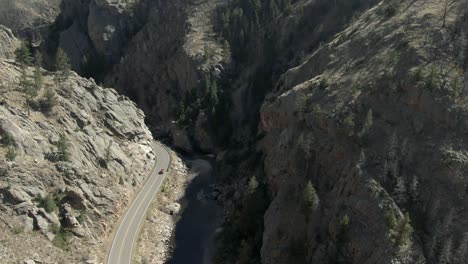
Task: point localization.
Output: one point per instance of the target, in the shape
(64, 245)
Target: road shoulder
(154, 240)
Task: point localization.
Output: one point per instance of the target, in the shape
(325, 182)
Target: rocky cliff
(156, 52)
(371, 111)
(375, 119)
(67, 172)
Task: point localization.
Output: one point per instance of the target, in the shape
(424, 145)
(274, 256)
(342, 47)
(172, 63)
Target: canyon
(338, 128)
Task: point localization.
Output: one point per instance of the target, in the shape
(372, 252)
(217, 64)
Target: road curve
(127, 232)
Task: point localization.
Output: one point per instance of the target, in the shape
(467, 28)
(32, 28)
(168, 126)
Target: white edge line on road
(130, 205)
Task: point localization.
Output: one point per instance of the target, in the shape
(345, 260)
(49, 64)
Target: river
(200, 218)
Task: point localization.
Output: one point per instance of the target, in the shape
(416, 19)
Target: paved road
(126, 235)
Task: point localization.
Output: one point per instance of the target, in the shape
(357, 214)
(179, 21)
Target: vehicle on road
(161, 171)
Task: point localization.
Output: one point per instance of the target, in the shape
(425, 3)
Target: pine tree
(317, 111)
(461, 254)
(367, 123)
(445, 255)
(311, 199)
(252, 186)
(62, 64)
(392, 146)
(207, 86)
(343, 235)
(403, 230)
(38, 79)
(23, 55)
(49, 101)
(214, 96)
(62, 145)
(27, 87)
(349, 124)
(399, 193)
(274, 9)
(414, 188)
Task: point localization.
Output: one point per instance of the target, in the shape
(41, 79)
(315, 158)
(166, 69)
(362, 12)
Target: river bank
(180, 235)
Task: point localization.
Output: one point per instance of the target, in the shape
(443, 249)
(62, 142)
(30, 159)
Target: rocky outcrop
(94, 32)
(155, 52)
(23, 14)
(8, 43)
(109, 156)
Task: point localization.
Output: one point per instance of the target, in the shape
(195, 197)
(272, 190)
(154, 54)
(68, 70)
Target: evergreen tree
(445, 255)
(252, 186)
(414, 188)
(343, 236)
(367, 123)
(23, 55)
(62, 64)
(274, 9)
(461, 254)
(38, 79)
(27, 87)
(214, 93)
(349, 124)
(399, 192)
(317, 111)
(403, 230)
(311, 199)
(49, 101)
(392, 147)
(207, 86)
(62, 145)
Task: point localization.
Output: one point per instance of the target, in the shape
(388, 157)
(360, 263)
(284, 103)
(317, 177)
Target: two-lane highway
(126, 235)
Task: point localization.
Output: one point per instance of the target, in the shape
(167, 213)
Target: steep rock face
(8, 43)
(94, 32)
(411, 156)
(156, 52)
(23, 14)
(110, 155)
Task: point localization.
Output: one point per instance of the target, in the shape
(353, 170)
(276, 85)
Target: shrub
(11, 154)
(54, 228)
(324, 84)
(49, 101)
(81, 216)
(3, 172)
(432, 79)
(108, 152)
(62, 145)
(48, 203)
(23, 54)
(7, 140)
(62, 239)
(17, 229)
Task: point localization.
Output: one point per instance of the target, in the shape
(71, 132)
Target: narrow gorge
(301, 131)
